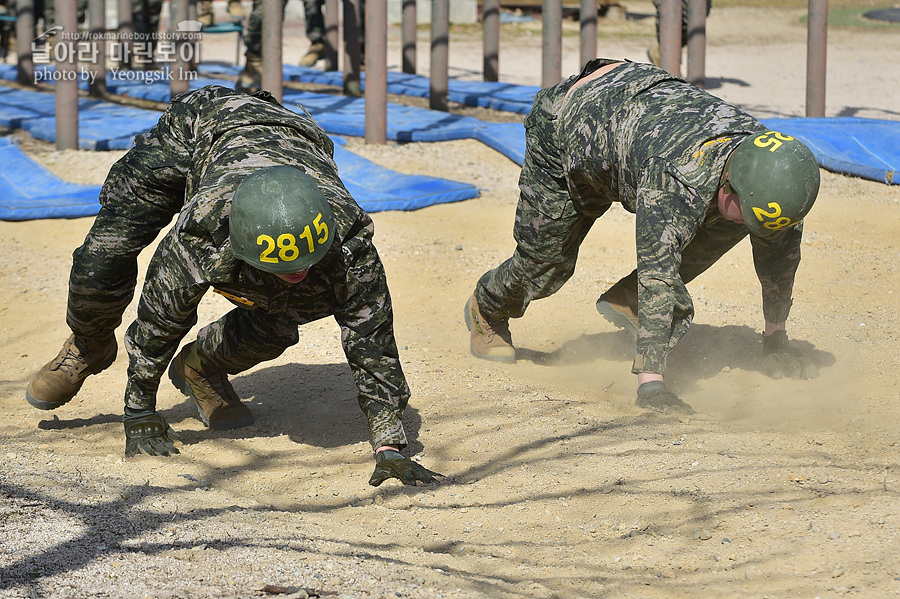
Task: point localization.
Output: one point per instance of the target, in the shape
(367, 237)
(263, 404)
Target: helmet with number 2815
(281, 221)
(776, 178)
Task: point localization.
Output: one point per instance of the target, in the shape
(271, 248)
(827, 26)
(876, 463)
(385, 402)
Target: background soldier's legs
(543, 261)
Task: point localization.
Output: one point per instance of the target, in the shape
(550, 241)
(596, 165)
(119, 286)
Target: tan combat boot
(619, 304)
(250, 79)
(61, 378)
(489, 340)
(236, 9)
(205, 13)
(312, 56)
(218, 404)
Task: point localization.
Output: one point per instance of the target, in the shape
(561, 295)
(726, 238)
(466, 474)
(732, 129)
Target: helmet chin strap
(723, 178)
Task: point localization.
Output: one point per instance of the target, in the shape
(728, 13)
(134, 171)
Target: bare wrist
(772, 327)
(644, 377)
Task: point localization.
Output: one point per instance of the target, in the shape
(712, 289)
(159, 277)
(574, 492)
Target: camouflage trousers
(145, 13)
(315, 24)
(550, 226)
(253, 38)
(102, 284)
(315, 19)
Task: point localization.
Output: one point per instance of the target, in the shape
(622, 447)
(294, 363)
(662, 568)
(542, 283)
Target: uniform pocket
(542, 182)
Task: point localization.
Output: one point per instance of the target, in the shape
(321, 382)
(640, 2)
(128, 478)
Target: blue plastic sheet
(866, 148)
(377, 189)
(101, 125)
(487, 94)
(29, 191)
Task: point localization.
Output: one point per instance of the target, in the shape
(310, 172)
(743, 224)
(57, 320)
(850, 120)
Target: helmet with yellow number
(776, 178)
(281, 221)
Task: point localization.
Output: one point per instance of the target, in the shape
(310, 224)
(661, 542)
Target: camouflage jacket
(202, 148)
(658, 146)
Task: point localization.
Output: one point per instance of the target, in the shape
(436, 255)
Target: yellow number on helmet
(762, 215)
(778, 224)
(773, 142)
(321, 228)
(289, 250)
(307, 235)
(265, 255)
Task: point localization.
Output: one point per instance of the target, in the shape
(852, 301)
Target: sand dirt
(557, 485)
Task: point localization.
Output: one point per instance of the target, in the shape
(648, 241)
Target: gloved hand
(393, 464)
(782, 360)
(147, 432)
(652, 395)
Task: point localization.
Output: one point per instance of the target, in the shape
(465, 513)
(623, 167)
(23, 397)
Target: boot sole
(676, 408)
(615, 317)
(47, 405)
(500, 359)
(52, 405)
(182, 385)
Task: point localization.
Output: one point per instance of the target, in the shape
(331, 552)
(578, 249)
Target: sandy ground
(557, 485)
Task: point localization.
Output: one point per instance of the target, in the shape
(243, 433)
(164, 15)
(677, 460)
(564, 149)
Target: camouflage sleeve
(776, 260)
(666, 218)
(367, 334)
(176, 282)
(153, 174)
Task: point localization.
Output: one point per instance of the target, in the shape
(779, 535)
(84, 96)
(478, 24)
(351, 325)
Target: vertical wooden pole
(376, 72)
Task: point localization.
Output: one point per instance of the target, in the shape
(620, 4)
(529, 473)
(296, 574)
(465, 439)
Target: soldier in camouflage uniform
(250, 78)
(631, 133)
(206, 13)
(210, 149)
(315, 31)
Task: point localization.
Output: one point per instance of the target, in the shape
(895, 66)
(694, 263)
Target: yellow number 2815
(286, 243)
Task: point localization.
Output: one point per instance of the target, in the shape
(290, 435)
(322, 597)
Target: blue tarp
(336, 114)
(29, 191)
(101, 125)
(506, 138)
(377, 189)
(342, 115)
(487, 94)
(866, 148)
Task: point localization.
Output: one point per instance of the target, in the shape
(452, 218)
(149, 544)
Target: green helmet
(280, 220)
(776, 178)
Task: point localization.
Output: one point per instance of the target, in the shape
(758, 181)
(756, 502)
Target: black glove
(147, 432)
(652, 395)
(782, 360)
(392, 464)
